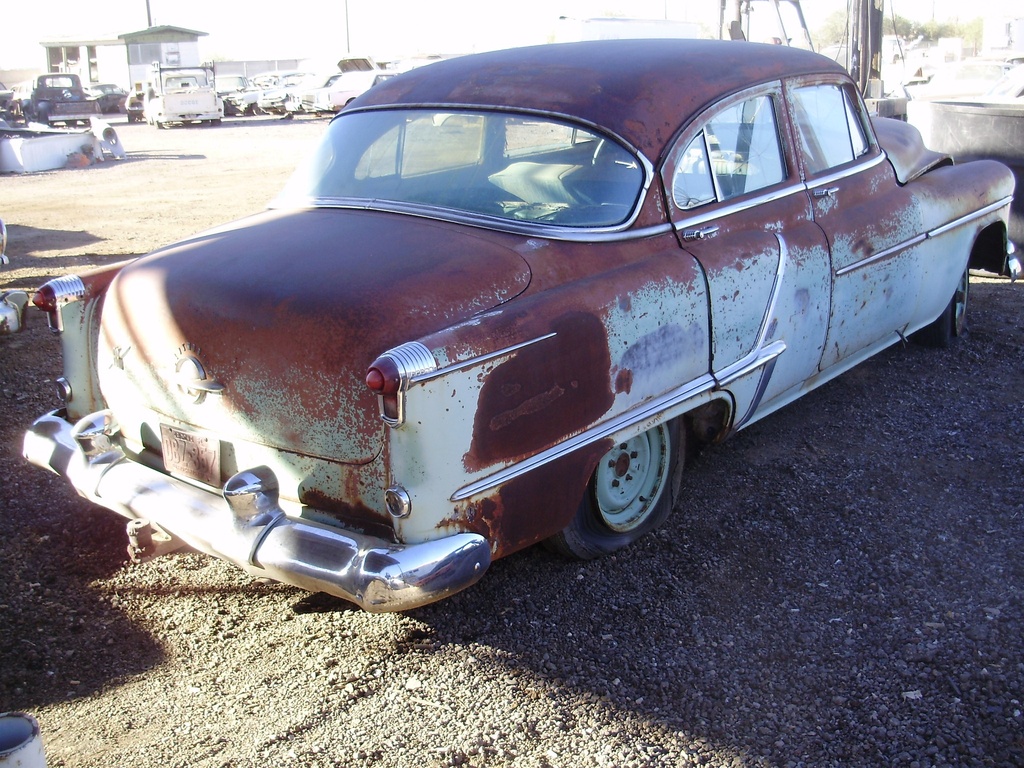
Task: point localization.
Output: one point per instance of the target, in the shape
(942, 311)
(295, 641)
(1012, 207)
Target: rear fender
(73, 304)
(523, 400)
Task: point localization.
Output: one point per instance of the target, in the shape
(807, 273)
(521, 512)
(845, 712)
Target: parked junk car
(179, 95)
(135, 104)
(229, 85)
(272, 100)
(244, 102)
(956, 79)
(12, 303)
(57, 98)
(336, 92)
(110, 97)
(501, 304)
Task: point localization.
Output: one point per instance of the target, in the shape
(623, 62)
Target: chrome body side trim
(698, 386)
(881, 255)
(756, 357)
(761, 356)
(469, 363)
(966, 219)
(971, 216)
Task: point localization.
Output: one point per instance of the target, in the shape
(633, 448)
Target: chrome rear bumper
(246, 526)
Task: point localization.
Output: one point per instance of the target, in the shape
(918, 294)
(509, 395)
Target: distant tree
(897, 25)
(833, 31)
(836, 28)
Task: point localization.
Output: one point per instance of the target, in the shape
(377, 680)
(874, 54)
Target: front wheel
(631, 493)
(953, 320)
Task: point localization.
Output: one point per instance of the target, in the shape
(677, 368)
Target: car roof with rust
(642, 90)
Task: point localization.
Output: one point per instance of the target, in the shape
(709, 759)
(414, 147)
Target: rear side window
(737, 152)
(830, 131)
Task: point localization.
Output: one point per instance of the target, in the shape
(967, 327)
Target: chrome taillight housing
(390, 374)
(57, 293)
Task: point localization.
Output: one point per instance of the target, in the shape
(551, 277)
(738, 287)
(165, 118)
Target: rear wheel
(631, 493)
(953, 320)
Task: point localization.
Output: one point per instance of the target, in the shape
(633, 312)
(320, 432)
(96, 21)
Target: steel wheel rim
(630, 478)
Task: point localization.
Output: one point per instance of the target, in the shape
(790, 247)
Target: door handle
(700, 234)
(826, 191)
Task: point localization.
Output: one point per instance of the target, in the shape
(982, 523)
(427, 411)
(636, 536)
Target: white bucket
(21, 746)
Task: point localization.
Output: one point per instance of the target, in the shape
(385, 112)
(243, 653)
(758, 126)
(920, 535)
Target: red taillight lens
(45, 298)
(383, 377)
(389, 376)
(56, 293)
(385, 380)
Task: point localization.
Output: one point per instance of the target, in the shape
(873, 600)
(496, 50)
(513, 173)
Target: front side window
(830, 132)
(737, 152)
(518, 167)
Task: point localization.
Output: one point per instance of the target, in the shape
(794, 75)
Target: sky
(384, 29)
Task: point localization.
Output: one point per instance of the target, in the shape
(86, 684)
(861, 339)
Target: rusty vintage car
(501, 303)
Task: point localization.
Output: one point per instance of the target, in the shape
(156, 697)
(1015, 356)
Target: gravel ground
(841, 585)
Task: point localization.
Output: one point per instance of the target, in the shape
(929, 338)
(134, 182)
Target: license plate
(191, 454)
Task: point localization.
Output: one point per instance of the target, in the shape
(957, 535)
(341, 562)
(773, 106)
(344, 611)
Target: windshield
(511, 166)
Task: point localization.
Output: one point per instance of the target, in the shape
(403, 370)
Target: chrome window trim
(613, 232)
(918, 239)
(774, 91)
(839, 175)
(732, 208)
(618, 233)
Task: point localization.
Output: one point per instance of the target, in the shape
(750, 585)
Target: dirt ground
(841, 584)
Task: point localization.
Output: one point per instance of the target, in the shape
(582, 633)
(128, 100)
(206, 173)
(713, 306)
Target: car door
(738, 206)
(872, 224)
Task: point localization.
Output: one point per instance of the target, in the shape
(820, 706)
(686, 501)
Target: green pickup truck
(59, 98)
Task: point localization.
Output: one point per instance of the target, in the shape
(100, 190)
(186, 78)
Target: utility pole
(149, 16)
(348, 37)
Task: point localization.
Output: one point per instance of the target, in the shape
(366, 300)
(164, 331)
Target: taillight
(385, 380)
(55, 294)
(390, 374)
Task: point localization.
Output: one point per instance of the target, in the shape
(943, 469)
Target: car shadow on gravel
(63, 637)
(28, 242)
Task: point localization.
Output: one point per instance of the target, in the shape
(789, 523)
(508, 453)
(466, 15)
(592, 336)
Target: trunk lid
(275, 320)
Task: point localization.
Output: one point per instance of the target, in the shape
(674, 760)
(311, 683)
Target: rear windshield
(510, 166)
